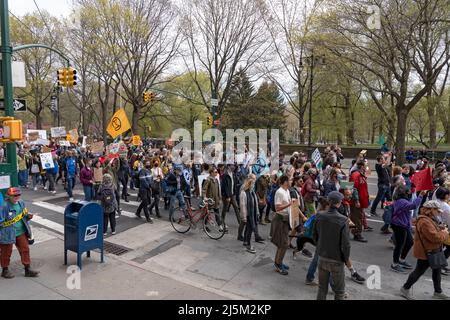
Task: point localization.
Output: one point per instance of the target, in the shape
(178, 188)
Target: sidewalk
(112, 280)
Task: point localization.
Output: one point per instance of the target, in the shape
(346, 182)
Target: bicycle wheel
(181, 221)
(212, 227)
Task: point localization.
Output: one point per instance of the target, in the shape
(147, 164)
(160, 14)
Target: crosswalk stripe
(49, 224)
(49, 206)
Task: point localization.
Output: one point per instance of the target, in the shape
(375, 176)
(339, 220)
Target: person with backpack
(107, 196)
(157, 176)
(71, 173)
(145, 192)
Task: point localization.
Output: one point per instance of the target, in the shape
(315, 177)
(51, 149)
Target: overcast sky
(54, 7)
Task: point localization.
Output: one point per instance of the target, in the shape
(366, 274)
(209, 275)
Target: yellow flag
(119, 124)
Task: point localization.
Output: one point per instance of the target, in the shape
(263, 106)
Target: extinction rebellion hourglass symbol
(116, 124)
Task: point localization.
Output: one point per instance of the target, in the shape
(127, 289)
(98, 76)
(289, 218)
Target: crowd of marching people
(325, 207)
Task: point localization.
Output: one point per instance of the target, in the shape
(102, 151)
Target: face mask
(341, 177)
(148, 167)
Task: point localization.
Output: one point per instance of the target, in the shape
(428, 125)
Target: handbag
(35, 168)
(436, 258)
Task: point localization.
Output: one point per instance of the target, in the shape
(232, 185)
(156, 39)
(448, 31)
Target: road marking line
(377, 221)
(49, 224)
(49, 206)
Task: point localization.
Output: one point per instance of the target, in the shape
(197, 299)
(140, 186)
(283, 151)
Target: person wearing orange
(14, 229)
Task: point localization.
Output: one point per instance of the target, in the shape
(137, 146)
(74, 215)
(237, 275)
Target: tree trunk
(374, 129)
(349, 119)
(431, 109)
(391, 132)
(136, 116)
(402, 116)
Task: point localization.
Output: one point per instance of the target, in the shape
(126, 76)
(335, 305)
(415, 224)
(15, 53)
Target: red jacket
(360, 182)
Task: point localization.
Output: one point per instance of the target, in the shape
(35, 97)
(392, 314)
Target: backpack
(308, 227)
(166, 187)
(272, 198)
(108, 200)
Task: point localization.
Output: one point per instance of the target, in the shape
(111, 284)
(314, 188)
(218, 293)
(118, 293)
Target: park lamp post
(314, 61)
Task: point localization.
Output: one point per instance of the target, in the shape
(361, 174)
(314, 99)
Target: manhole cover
(115, 249)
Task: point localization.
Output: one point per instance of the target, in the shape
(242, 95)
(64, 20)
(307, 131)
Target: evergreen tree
(242, 91)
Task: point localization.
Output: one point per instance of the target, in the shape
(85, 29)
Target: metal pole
(6, 49)
(58, 91)
(213, 108)
(311, 95)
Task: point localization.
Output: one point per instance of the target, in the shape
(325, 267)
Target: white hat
(432, 204)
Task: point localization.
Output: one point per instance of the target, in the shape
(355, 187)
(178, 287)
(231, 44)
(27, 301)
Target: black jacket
(331, 233)
(172, 182)
(384, 177)
(227, 191)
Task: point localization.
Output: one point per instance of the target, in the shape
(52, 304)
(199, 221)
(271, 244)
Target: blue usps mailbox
(83, 229)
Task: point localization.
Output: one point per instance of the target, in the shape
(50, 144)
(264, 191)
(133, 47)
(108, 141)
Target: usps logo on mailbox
(91, 233)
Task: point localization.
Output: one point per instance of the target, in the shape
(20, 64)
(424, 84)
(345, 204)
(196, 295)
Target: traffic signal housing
(71, 77)
(149, 97)
(67, 77)
(210, 121)
(62, 77)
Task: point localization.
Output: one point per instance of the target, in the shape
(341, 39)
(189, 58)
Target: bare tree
(290, 26)
(221, 37)
(394, 53)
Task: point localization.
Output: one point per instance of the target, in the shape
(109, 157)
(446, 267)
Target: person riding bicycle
(176, 183)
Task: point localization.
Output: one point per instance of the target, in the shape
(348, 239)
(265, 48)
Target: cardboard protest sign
(294, 216)
(123, 150)
(113, 148)
(58, 132)
(72, 136)
(33, 136)
(47, 161)
(98, 147)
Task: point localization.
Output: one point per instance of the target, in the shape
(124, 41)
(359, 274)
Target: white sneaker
(35, 188)
(114, 233)
(53, 192)
(45, 188)
(71, 199)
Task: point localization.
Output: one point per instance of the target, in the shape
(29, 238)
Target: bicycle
(185, 220)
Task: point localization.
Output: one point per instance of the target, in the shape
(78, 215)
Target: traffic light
(147, 97)
(67, 77)
(71, 77)
(210, 121)
(62, 77)
(152, 97)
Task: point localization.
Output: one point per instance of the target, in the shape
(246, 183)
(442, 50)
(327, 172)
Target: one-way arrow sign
(19, 105)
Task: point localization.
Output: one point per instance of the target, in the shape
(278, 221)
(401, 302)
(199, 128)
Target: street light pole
(311, 95)
(6, 49)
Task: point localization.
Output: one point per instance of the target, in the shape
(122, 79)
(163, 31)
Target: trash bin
(83, 229)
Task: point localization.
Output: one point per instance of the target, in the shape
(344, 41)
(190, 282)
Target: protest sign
(97, 147)
(47, 161)
(136, 141)
(41, 134)
(72, 137)
(317, 158)
(58, 132)
(64, 143)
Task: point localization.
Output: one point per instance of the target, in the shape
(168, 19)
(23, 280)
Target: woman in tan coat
(429, 237)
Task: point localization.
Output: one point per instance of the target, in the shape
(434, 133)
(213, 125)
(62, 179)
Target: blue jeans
(88, 193)
(177, 196)
(310, 276)
(384, 192)
(23, 178)
(70, 186)
(36, 179)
